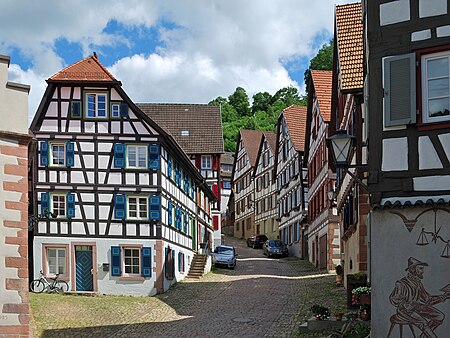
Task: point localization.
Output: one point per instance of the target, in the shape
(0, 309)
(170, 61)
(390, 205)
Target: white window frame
(53, 209)
(138, 208)
(53, 269)
(96, 95)
(115, 108)
(206, 162)
(137, 166)
(132, 257)
(426, 118)
(57, 144)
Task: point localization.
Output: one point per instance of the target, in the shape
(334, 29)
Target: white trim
(138, 210)
(96, 108)
(57, 144)
(137, 166)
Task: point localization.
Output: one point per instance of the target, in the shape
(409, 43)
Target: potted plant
(339, 274)
(338, 315)
(320, 312)
(364, 312)
(352, 315)
(362, 294)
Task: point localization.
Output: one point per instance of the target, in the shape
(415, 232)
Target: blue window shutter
(166, 263)
(169, 213)
(173, 263)
(119, 155)
(70, 202)
(169, 166)
(155, 207)
(185, 222)
(123, 110)
(178, 218)
(193, 190)
(120, 206)
(75, 108)
(146, 262)
(154, 157)
(43, 150)
(70, 154)
(45, 203)
(186, 186)
(179, 262)
(115, 261)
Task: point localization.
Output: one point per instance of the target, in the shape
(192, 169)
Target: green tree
(322, 61)
(261, 102)
(239, 100)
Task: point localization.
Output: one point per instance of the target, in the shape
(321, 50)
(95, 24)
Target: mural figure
(413, 302)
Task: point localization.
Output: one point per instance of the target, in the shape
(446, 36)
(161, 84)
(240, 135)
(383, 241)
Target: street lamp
(341, 145)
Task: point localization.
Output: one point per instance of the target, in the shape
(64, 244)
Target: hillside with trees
(262, 114)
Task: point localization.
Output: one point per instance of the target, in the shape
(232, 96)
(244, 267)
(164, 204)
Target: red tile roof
(271, 138)
(349, 27)
(88, 69)
(251, 139)
(295, 117)
(322, 80)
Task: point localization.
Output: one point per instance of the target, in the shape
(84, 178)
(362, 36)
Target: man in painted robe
(414, 304)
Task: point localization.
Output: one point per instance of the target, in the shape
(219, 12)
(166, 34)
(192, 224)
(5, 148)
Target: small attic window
(185, 133)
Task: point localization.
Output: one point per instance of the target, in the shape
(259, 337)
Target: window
(58, 155)
(436, 87)
(137, 156)
(56, 261)
(95, 105)
(115, 110)
(137, 207)
(58, 205)
(206, 162)
(132, 261)
(181, 262)
(226, 184)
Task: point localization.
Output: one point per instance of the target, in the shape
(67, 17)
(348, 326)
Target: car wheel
(254, 246)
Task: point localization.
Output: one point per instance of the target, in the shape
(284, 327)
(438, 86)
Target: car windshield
(225, 251)
(275, 243)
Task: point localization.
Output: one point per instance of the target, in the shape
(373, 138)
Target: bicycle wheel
(37, 286)
(62, 286)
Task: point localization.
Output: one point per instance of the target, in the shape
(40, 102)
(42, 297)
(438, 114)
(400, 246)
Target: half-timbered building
(125, 210)
(348, 113)
(198, 130)
(323, 228)
(409, 166)
(291, 184)
(243, 185)
(266, 211)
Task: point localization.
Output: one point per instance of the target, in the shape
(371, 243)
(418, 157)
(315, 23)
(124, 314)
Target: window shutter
(179, 261)
(45, 203)
(215, 164)
(43, 150)
(115, 261)
(173, 263)
(169, 166)
(186, 220)
(198, 161)
(216, 222)
(399, 79)
(155, 207)
(70, 154)
(193, 190)
(70, 202)
(181, 220)
(146, 262)
(119, 155)
(119, 206)
(178, 218)
(123, 110)
(75, 109)
(169, 213)
(154, 156)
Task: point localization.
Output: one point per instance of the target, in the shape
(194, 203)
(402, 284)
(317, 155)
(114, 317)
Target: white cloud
(209, 48)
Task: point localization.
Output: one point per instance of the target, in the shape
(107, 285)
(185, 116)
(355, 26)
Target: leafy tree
(261, 102)
(239, 100)
(322, 61)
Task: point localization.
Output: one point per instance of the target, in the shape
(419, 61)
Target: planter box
(353, 283)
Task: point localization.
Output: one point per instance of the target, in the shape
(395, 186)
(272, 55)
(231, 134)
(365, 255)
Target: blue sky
(168, 50)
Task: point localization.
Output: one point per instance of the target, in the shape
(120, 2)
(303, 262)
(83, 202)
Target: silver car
(275, 247)
(225, 256)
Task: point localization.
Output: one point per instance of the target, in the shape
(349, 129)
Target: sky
(168, 51)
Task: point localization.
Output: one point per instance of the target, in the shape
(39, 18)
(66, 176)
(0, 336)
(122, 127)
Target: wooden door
(323, 252)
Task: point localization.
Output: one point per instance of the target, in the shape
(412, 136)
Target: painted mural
(411, 272)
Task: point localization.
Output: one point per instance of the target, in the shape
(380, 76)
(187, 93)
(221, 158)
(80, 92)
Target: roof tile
(349, 28)
(295, 117)
(322, 80)
(251, 139)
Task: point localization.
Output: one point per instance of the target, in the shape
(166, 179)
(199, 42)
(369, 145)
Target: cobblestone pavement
(262, 297)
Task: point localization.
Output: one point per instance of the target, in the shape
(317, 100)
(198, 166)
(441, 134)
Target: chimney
(95, 55)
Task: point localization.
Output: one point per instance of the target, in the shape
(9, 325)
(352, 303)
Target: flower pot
(364, 315)
(365, 299)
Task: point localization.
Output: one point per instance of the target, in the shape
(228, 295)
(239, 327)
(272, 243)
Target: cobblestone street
(261, 298)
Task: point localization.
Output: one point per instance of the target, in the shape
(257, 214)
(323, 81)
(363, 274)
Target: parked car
(275, 247)
(256, 241)
(224, 255)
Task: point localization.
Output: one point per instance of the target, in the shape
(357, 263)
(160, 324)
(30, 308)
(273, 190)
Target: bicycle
(41, 284)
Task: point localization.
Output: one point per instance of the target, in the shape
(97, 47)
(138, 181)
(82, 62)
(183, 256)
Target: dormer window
(95, 105)
(185, 133)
